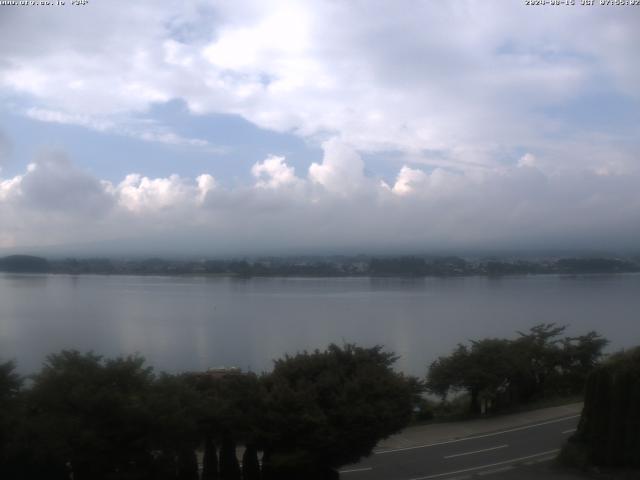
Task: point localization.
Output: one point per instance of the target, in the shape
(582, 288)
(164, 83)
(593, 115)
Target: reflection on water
(182, 323)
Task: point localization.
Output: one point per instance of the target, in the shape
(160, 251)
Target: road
(484, 454)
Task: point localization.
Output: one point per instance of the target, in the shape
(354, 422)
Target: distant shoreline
(324, 267)
(186, 276)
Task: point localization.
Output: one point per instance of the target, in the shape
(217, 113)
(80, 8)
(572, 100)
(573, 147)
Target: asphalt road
(484, 455)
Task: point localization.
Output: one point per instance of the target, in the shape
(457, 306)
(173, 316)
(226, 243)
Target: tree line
(83, 416)
(339, 266)
(496, 373)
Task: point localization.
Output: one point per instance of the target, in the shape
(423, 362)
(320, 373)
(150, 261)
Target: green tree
(330, 408)
(496, 372)
(445, 373)
(250, 463)
(609, 430)
(538, 357)
(10, 419)
(580, 355)
(176, 408)
(483, 371)
(229, 466)
(231, 409)
(91, 413)
(210, 459)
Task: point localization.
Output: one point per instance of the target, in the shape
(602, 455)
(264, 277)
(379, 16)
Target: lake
(189, 323)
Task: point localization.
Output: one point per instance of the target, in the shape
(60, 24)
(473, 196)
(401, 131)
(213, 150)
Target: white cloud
(54, 202)
(341, 170)
(142, 194)
(458, 87)
(408, 180)
(10, 188)
(147, 131)
(375, 73)
(273, 172)
(206, 183)
(52, 116)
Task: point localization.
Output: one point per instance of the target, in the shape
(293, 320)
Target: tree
(231, 406)
(609, 430)
(176, 408)
(91, 413)
(580, 355)
(484, 370)
(250, 463)
(445, 373)
(330, 408)
(496, 372)
(209, 460)
(10, 382)
(229, 466)
(538, 356)
(10, 418)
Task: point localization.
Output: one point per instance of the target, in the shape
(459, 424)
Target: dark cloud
(53, 183)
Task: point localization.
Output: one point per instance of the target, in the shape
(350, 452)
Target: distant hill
(339, 266)
(24, 264)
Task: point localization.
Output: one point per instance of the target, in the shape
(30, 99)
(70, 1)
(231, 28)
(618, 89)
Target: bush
(609, 429)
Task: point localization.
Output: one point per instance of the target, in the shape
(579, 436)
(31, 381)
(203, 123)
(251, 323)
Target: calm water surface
(184, 323)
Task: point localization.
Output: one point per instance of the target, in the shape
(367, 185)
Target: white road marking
(517, 429)
(513, 460)
(496, 470)
(476, 451)
(353, 470)
(569, 431)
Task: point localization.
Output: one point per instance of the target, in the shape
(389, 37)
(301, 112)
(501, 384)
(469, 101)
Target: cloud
(507, 122)
(273, 172)
(408, 179)
(341, 170)
(53, 184)
(375, 73)
(5, 149)
(527, 160)
(148, 131)
(54, 202)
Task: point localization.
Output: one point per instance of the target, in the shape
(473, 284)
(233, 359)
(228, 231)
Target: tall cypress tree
(187, 465)
(210, 460)
(250, 464)
(229, 466)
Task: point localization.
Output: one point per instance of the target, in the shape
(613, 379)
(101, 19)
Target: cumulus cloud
(54, 202)
(408, 179)
(341, 170)
(273, 172)
(486, 104)
(53, 184)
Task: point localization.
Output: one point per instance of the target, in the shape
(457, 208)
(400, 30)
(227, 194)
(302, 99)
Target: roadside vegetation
(83, 416)
(498, 374)
(608, 435)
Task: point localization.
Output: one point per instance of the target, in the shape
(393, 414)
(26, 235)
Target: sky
(251, 127)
